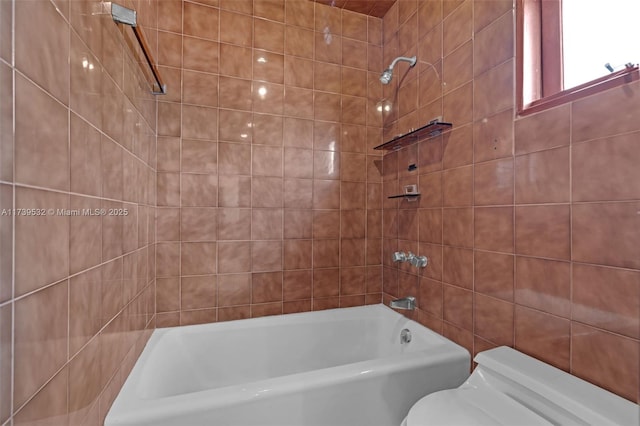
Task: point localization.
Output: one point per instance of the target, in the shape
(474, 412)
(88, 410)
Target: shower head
(387, 75)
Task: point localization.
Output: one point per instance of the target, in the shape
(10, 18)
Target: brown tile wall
(77, 131)
(532, 224)
(273, 203)
(269, 195)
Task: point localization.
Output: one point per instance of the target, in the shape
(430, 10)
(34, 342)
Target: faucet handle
(399, 257)
(417, 261)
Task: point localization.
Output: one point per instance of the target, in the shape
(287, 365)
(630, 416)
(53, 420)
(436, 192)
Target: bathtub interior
(196, 358)
(342, 367)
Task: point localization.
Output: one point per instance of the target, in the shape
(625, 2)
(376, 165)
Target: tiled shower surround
(76, 291)
(252, 188)
(532, 225)
(269, 194)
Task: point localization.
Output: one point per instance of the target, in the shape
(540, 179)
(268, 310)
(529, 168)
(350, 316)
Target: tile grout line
(571, 259)
(68, 201)
(13, 219)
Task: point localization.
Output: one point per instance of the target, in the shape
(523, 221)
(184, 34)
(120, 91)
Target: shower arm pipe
(126, 16)
(412, 61)
(387, 75)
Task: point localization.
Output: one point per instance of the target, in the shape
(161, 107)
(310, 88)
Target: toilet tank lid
(590, 402)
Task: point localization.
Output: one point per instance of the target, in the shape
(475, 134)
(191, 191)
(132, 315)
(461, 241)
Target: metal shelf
(404, 196)
(434, 128)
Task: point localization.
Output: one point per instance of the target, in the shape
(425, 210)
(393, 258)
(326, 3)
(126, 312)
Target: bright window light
(595, 33)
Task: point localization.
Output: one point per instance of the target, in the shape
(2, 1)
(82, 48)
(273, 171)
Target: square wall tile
(200, 55)
(269, 9)
(85, 235)
(457, 229)
(200, 21)
(494, 229)
(585, 113)
(493, 91)
(297, 254)
(266, 224)
(494, 274)
(602, 169)
(198, 258)
(200, 88)
(543, 336)
(266, 256)
(234, 289)
(544, 130)
(198, 292)
(297, 285)
(42, 46)
(269, 35)
(199, 156)
(494, 44)
(40, 339)
(236, 28)
(85, 158)
(50, 402)
(458, 267)
(543, 177)
(199, 190)
(544, 285)
(458, 306)
(234, 224)
(458, 27)
(606, 234)
(493, 137)
(607, 298)
(266, 287)
(457, 187)
(493, 182)
(543, 231)
(85, 302)
(616, 356)
(198, 224)
(167, 294)
(41, 152)
(234, 257)
(298, 224)
(298, 193)
(42, 251)
(493, 319)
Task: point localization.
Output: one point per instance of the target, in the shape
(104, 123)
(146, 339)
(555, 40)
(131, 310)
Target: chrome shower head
(387, 75)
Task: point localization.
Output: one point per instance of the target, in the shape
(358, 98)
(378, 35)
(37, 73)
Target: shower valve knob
(399, 257)
(421, 261)
(417, 261)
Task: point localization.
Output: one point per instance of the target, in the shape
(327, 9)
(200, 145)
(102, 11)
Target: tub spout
(408, 303)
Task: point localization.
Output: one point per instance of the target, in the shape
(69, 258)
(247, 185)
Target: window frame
(539, 60)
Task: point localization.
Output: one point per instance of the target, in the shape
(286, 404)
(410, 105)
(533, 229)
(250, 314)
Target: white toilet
(511, 388)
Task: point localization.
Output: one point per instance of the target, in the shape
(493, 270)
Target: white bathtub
(328, 368)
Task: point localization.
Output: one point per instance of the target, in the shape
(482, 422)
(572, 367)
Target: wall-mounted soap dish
(410, 193)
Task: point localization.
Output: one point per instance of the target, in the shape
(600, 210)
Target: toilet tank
(550, 392)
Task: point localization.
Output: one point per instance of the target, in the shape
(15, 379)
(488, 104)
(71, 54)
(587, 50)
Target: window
(568, 49)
